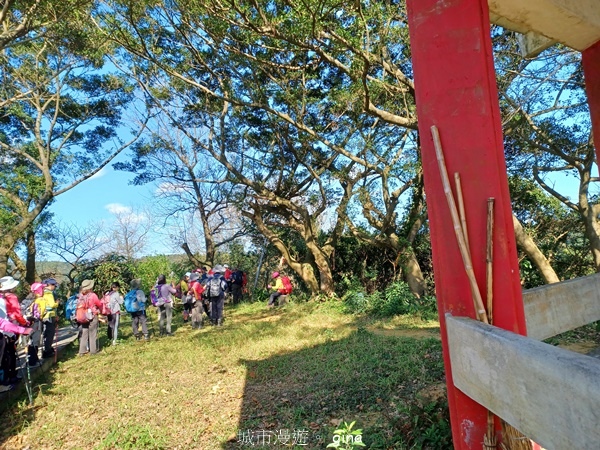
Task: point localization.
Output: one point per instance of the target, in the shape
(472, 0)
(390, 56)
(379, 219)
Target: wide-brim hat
(194, 276)
(135, 284)
(218, 269)
(8, 283)
(87, 285)
(50, 281)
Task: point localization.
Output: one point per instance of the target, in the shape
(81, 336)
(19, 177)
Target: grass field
(284, 378)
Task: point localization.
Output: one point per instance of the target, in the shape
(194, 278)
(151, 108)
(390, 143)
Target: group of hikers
(202, 293)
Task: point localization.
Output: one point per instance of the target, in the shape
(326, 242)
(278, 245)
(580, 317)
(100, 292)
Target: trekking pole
(26, 373)
(55, 339)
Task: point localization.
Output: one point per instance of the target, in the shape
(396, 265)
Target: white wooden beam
(555, 308)
(575, 23)
(550, 394)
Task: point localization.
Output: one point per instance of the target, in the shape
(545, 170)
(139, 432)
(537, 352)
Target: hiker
(88, 307)
(114, 305)
(276, 288)
(186, 297)
(237, 285)
(135, 304)
(195, 300)
(47, 305)
(12, 324)
(215, 290)
(33, 314)
(164, 303)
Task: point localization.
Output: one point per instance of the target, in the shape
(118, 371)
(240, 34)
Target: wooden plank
(575, 23)
(560, 307)
(550, 394)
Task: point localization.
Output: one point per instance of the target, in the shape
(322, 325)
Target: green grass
(303, 368)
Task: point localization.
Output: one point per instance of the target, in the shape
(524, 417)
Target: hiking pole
(25, 371)
(55, 339)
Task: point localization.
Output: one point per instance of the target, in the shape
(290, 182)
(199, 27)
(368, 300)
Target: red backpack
(287, 286)
(104, 309)
(83, 312)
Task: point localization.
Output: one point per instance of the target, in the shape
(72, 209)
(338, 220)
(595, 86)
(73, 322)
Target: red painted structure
(456, 91)
(591, 70)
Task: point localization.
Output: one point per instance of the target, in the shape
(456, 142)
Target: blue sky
(98, 198)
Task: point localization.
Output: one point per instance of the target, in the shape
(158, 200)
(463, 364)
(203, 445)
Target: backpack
(70, 307)
(83, 312)
(287, 286)
(238, 277)
(131, 302)
(105, 309)
(214, 287)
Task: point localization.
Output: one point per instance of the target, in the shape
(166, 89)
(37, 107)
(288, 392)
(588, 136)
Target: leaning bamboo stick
(489, 440)
(489, 259)
(479, 308)
(461, 209)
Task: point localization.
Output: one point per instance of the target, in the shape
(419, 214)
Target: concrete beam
(575, 23)
(555, 308)
(549, 394)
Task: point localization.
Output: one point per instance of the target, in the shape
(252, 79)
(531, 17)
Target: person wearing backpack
(88, 307)
(164, 304)
(48, 306)
(215, 290)
(114, 305)
(195, 300)
(275, 288)
(135, 304)
(237, 285)
(187, 298)
(32, 313)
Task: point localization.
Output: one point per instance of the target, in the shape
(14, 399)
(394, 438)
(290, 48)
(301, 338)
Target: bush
(397, 299)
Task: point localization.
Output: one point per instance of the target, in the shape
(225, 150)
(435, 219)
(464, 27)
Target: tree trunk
(412, 272)
(534, 254)
(30, 261)
(323, 264)
(193, 259)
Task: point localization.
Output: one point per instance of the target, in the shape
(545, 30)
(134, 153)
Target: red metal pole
(456, 91)
(591, 71)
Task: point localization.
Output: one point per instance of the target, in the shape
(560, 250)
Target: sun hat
(274, 274)
(37, 288)
(218, 269)
(187, 274)
(135, 284)
(226, 266)
(194, 276)
(50, 281)
(87, 285)
(8, 283)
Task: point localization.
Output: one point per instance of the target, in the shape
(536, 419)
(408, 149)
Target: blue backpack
(131, 302)
(70, 307)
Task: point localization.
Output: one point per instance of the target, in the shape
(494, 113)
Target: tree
(318, 70)
(548, 131)
(58, 119)
(191, 184)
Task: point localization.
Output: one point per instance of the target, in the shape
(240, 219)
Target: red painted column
(456, 91)
(591, 71)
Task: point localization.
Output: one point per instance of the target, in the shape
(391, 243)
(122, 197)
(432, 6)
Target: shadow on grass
(298, 399)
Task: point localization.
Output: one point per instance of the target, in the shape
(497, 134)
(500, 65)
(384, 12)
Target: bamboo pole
(489, 440)
(461, 209)
(478, 301)
(489, 259)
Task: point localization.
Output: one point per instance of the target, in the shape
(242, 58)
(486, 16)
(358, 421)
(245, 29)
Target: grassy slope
(304, 367)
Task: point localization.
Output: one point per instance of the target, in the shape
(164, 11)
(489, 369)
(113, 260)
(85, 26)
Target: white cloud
(118, 208)
(99, 174)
